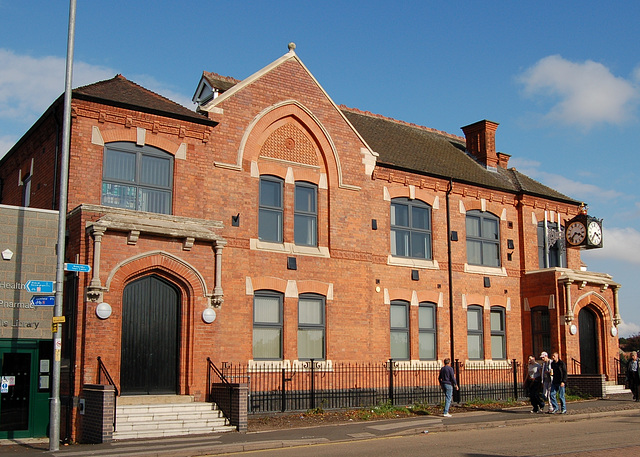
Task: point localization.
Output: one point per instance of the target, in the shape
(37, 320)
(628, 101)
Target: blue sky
(561, 78)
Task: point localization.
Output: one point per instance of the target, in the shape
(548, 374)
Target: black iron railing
(576, 368)
(621, 371)
(312, 384)
(102, 371)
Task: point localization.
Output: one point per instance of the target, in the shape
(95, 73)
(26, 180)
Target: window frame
(430, 331)
(557, 255)
(541, 329)
(310, 326)
(278, 210)
(482, 238)
(140, 152)
(310, 215)
(399, 330)
(412, 231)
(268, 325)
(498, 333)
(476, 332)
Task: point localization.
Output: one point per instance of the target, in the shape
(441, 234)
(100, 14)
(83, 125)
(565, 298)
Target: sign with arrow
(79, 267)
(39, 287)
(43, 300)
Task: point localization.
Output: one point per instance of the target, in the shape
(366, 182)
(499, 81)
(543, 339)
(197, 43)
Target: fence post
(515, 379)
(283, 397)
(391, 381)
(313, 386)
(457, 394)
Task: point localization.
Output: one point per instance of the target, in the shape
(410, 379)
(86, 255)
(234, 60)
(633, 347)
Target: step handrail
(102, 370)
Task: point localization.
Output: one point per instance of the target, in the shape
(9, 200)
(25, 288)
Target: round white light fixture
(573, 329)
(614, 331)
(208, 315)
(103, 310)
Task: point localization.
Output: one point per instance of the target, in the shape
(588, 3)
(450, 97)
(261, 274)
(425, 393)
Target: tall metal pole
(54, 411)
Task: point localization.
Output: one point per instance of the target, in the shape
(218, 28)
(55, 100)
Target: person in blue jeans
(447, 380)
(558, 382)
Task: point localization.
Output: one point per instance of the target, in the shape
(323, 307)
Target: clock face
(576, 233)
(595, 233)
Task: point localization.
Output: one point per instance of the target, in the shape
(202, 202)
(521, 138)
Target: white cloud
(628, 329)
(585, 93)
(620, 244)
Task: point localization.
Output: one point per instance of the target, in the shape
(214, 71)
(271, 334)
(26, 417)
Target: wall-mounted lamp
(103, 310)
(208, 315)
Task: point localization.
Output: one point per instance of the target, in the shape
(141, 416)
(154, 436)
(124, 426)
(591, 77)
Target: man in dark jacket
(633, 369)
(447, 380)
(558, 382)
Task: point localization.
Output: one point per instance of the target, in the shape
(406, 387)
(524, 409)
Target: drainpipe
(449, 189)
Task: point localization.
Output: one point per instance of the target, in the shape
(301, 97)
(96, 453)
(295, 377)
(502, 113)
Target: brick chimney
(481, 142)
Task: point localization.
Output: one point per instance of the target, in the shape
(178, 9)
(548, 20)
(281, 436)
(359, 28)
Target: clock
(576, 233)
(594, 232)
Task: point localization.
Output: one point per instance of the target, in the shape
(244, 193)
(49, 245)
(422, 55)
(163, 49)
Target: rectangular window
(311, 328)
(553, 243)
(399, 330)
(498, 339)
(541, 330)
(474, 333)
(306, 215)
(267, 326)
(410, 229)
(483, 239)
(427, 326)
(271, 209)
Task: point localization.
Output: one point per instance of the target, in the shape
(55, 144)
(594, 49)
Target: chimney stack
(481, 142)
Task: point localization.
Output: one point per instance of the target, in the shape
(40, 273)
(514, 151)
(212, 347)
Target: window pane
(119, 196)
(311, 344)
(426, 317)
(305, 199)
(427, 346)
(490, 254)
(474, 319)
(474, 346)
(489, 229)
(270, 193)
(420, 218)
(399, 215)
(400, 242)
(398, 316)
(420, 245)
(304, 229)
(399, 345)
(473, 226)
(120, 165)
(310, 311)
(497, 347)
(266, 343)
(266, 310)
(154, 201)
(155, 171)
(497, 323)
(270, 225)
(474, 252)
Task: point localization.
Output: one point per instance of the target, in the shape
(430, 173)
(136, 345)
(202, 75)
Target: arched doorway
(150, 322)
(587, 321)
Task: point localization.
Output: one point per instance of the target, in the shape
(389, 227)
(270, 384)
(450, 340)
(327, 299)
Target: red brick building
(311, 230)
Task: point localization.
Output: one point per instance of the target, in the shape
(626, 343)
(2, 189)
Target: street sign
(80, 267)
(43, 300)
(58, 319)
(39, 287)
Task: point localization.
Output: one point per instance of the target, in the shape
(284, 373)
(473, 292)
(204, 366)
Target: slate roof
(431, 152)
(121, 92)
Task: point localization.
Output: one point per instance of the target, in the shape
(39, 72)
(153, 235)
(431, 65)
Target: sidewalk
(213, 444)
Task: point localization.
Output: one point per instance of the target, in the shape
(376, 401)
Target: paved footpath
(214, 444)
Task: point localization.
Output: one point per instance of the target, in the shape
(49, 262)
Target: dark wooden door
(588, 342)
(149, 362)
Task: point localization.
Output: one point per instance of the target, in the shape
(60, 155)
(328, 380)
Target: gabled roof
(431, 152)
(121, 92)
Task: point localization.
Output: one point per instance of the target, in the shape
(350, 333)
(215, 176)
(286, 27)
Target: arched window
(305, 221)
(271, 209)
(475, 335)
(498, 333)
(311, 327)
(427, 331)
(483, 239)
(410, 229)
(399, 326)
(554, 245)
(541, 330)
(267, 325)
(136, 177)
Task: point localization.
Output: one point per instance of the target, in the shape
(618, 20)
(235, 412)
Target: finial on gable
(292, 47)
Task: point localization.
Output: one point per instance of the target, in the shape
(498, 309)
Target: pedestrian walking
(533, 384)
(633, 379)
(447, 380)
(546, 378)
(558, 382)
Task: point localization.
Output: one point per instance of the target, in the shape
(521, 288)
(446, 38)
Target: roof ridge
(397, 121)
(230, 79)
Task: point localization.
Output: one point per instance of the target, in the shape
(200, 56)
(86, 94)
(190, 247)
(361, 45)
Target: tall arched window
(399, 326)
(498, 333)
(305, 223)
(410, 229)
(541, 330)
(267, 325)
(427, 331)
(271, 209)
(137, 177)
(553, 245)
(483, 239)
(475, 334)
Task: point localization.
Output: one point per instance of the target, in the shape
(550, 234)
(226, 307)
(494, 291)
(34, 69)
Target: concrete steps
(152, 418)
(611, 388)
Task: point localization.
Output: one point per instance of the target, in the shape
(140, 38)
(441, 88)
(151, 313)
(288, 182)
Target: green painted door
(24, 393)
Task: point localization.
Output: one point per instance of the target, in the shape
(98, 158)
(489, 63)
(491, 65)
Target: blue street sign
(39, 287)
(43, 300)
(77, 267)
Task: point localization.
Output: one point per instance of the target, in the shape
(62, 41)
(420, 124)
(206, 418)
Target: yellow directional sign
(58, 319)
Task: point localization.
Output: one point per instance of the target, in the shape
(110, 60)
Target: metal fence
(318, 384)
